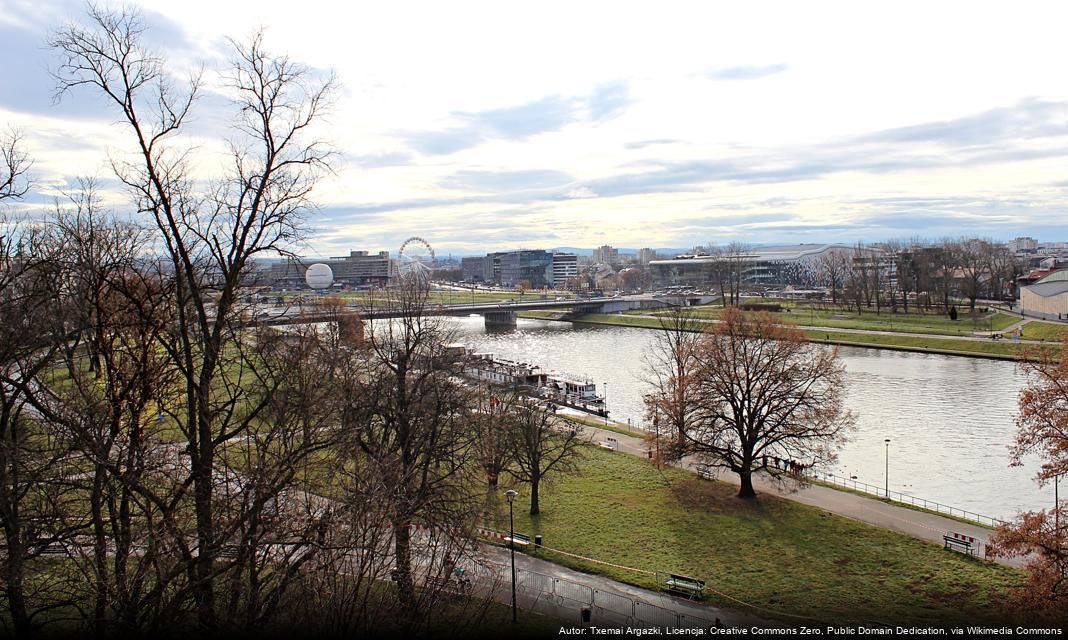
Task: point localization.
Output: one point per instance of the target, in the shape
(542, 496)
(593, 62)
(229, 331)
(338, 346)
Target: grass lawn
(779, 555)
(599, 423)
(810, 315)
(1039, 330)
(1004, 349)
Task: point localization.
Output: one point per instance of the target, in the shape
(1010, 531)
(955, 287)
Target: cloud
(378, 160)
(1025, 120)
(444, 142)
(641, 144)
(548, 114)
(746, 72)
(28, 86)
(502, 181)
(609, 100)
(551, 113)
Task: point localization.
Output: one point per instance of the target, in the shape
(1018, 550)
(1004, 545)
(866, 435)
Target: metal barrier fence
(897, 496)
(606, 607)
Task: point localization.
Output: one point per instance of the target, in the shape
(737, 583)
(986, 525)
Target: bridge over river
(496, 314)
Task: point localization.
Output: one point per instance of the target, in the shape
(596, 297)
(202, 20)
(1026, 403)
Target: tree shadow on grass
(714, 497)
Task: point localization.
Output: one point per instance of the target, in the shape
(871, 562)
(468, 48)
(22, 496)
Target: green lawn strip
(779, 555)
(937, 324)
(999, 349)
(1039, 330)
(599, 423)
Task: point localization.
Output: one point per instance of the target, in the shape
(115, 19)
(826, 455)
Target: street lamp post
(606, 404)
(887, 477)
(511, 494)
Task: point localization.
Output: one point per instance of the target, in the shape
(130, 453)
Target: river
(949, 419)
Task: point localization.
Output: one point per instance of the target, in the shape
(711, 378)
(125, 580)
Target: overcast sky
(540, 124)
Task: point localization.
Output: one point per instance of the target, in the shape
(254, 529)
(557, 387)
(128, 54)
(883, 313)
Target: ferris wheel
(416, 257)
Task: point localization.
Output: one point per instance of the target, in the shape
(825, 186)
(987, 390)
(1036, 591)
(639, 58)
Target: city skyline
(599, 124)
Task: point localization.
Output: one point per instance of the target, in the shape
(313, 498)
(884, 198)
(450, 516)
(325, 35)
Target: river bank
(951, 420)
(1003, 349)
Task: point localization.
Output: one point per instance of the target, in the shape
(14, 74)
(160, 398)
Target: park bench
(706, 472)
(960, 542)
(609, 443)
(684, 585)
(519, 539)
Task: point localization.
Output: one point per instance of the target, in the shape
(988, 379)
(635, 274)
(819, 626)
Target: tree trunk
(746, 491)
(402, 539)
(204, 589)
(535, 481)
(16, 597)
(100, 554)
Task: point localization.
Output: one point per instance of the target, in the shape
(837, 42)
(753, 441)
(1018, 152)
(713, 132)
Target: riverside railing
(897, 496)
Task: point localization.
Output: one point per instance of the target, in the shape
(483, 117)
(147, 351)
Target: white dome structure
(319, 276)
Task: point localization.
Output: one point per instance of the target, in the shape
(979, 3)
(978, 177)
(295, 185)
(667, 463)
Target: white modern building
(794, 265)
(565, 267)
(1047, 298)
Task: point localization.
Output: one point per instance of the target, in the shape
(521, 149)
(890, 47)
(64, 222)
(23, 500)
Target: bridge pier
(499, 319)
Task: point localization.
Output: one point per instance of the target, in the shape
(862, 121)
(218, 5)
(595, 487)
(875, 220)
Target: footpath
(562, 593)
(918, 524)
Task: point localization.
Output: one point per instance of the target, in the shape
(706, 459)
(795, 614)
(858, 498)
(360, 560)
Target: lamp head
(510, 494)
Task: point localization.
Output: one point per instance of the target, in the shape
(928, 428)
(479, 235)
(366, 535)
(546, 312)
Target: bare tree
(671, 366)
(39, 505)
(971, 262)
(903, 258)
(1000, 267)
(857, 278)
(832, 267)
(544, 447)
(14, 166)
(766, 391)
(209, 239)
(944, 267)
(494, 425)
(115, 379)
(407, 423)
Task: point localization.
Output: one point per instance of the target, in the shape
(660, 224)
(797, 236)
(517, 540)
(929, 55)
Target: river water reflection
(950, 419)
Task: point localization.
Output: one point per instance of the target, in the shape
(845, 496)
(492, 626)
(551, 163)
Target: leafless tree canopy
(671, 366)
(185, 465)
(763, 392)
(544, 447)
(14, 166)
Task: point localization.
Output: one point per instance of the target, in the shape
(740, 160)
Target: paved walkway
(533, 596)
(919, 524)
